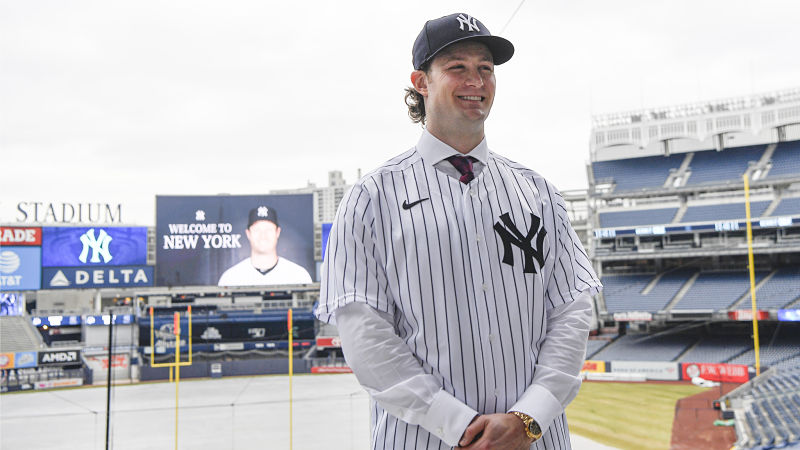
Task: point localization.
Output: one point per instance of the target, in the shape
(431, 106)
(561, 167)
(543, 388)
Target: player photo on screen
(234, 240)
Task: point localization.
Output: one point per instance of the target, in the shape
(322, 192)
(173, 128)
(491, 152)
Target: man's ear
(419, 80)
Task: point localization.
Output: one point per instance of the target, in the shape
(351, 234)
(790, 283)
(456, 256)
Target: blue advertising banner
(252, 240)
(94, 246)
(25, 359)
(20, 268)
(96, 277)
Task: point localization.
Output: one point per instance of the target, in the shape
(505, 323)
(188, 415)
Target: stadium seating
(711, 166)
(785, 160)
(624, 292)
(650, 172)
(787, 207)
(717, 349)
(727, 211)
(780, 290)
(593, 346)
(716, 290)
(17, 334)
(658, 216)
(643, 347)
(769, 407)
(771, 352)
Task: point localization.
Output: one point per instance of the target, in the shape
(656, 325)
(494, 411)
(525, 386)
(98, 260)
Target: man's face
(263, 236)
(459, 86)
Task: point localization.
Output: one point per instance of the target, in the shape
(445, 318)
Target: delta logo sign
(95, 257)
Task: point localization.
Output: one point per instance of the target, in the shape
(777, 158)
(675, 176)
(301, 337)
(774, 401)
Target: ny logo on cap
(263, 211)
(469, 21)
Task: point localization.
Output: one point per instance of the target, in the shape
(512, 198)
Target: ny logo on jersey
(511, 235)
(469, 21)
(99, 246)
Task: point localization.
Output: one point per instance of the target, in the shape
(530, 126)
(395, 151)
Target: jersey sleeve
(572, 272)
(352, 271)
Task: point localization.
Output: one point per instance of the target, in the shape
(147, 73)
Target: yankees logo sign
(511, 235)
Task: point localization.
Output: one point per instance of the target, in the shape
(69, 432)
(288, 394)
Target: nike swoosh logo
(407, 205)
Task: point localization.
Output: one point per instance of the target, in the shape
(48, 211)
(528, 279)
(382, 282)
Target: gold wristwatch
(532, 429)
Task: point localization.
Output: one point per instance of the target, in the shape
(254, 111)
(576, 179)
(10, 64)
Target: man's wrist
(532, 428)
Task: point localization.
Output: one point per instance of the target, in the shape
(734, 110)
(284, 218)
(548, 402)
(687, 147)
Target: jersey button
(478, 238)
(485, 287)
(473, 192)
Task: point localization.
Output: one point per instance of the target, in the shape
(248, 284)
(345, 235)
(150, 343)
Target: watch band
(532, 429)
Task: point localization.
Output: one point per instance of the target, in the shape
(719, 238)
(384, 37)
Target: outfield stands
(772, 352)
(727, 211)
(624, 292)
(658, 216)
(716, 290)
(780, 290)
(643, 347)
(785, 160)
(593, 346)
(768, 408)
(650, 172)
(711, 166)
(717, 349)
(787, 207)
(17, 334)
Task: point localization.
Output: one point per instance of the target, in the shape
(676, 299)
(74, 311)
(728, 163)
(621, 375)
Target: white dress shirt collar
(434, 151)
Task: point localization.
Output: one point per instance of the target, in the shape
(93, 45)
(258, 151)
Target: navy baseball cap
(262, 213)
(439, 33)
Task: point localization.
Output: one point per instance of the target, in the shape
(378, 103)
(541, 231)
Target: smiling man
(461, 292)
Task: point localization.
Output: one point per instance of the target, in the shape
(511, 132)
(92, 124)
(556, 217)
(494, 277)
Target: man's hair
(415, 101)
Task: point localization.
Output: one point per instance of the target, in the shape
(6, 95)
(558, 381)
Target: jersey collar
(433, 150)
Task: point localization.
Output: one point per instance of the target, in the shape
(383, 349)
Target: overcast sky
(120, 101)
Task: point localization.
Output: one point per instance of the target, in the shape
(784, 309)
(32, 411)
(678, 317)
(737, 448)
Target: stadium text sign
(69, 213)
(594, 366)
(77, 277)
(747, 314)
(653, 370)
(58, 358)
(20, 236)
(733, 373)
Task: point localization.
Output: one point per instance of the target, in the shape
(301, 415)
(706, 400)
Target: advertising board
(731, 373)
(594, 366)
(6, 361)
(19, 236)
(94, 246)
(254, 240)
(653, 370)
(20, 268)
(96, 277)
(59, 358)
(24, 359)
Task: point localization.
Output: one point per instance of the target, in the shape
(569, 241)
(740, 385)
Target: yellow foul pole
(752, 271)
(291, 370)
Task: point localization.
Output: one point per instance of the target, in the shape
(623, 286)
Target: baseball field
(627, 415)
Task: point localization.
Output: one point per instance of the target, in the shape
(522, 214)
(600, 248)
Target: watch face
(534, 428)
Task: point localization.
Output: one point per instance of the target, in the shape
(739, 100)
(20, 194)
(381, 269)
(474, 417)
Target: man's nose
(474, 78)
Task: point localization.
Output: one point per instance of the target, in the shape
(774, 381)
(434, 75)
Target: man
(461, 293)
(264, 266)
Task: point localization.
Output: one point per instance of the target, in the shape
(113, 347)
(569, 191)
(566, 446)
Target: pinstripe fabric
(473, 321)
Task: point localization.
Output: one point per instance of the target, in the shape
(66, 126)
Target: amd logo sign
(59, 357)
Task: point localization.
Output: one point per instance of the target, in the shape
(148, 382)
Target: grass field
(627, 415)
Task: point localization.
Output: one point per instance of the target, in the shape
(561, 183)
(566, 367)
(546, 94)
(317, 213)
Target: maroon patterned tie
(464, 165)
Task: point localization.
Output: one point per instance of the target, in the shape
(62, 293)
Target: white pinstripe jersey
(469, 302)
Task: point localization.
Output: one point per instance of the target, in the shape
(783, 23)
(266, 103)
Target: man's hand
(495, 431)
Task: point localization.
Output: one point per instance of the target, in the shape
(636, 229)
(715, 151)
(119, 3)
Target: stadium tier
(625, 292)
(787, 207)
(711, 166)
(727, 211)
(642, 347)
(716, 290)
(781, 290)
(650, 172)
(594, 346)
(717, 349)
(785, 160)
(657, 216)
(18, 335)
